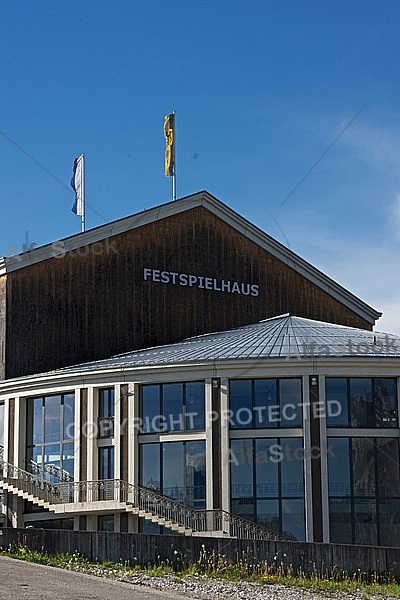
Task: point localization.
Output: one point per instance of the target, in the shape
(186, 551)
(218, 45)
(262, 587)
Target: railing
(49, 472)
(190, 518)
(136, 496)
(29, 483)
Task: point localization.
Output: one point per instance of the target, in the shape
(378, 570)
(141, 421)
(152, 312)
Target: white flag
(77, 185)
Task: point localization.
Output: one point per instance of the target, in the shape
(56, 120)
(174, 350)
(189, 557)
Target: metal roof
(282, 337)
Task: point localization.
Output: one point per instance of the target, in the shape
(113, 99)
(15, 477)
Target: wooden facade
(95, 302)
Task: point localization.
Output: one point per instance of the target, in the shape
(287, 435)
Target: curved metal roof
(282, 337)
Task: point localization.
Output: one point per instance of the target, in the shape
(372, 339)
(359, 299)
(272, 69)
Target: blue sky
(260, 89)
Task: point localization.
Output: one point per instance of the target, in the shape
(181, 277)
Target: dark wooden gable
(78, 308)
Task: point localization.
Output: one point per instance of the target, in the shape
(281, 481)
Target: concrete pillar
(133, 447)
(91, 434)
(117, 435)
(308, 481)
(324, 464)
(16, 514)
(224, 433)
(209, 446)
(91, 522)
(315, 460)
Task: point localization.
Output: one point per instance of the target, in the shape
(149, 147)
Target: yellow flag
(169, 125)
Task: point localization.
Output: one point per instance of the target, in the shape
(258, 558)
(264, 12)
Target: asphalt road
(22, 580)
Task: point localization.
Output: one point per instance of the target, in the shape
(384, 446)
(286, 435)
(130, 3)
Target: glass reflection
(173, 406)
(68, 417)
(195, 474)
(243, 507)
(52, 419)
(363, 459)
(293, 518)
(173, 475)
(242, 468)
(268, 513)
(389, 522)
(339, 467)
(292, 477)
(179, 466)
(365, 530)
(267, 484)
(388, 467)
(340, 521)
(337, 410)
(37, 416)
(150, 407)
(385, 402)
(290, 402)
(361, 404)
(240, 397)
(195, 406)
(106, 462)
(371, 512)
(265, 402)
(150, 466)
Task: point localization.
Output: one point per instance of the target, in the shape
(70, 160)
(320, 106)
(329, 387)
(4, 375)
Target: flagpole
(173, 162)
(83, 191)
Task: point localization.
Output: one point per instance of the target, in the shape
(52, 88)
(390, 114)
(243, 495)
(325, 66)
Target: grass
(218, 567)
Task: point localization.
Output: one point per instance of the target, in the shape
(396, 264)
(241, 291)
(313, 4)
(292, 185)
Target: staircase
(74, 498)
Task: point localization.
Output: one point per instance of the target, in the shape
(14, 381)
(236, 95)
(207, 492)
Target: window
(106, 462)
(106, 522)
(172, 407)
(267, 483)
(265, 403)
(366, 402)
(175, 469)
(105, 488)
(364, 490)
(50, 433)
(106, 413)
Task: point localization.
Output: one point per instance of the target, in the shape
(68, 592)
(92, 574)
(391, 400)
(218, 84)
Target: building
(286, 417)
(180, 269)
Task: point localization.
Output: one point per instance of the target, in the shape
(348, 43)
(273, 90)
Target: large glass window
(337, 408)
(364, 490)
(267, 483)
(150, 466)
(106, 462)
(389, 521)
(50, 429)
(106, 412)
(176, 469)
(366, 402)
(340, 519)
(172, 407)
(265, 403)
(339, 467)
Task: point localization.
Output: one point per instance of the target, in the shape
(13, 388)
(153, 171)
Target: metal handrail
(29, 483)
(194, 519)
(168, 510)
